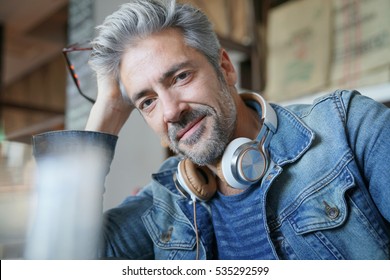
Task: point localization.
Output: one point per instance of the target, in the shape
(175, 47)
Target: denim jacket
(327, 193)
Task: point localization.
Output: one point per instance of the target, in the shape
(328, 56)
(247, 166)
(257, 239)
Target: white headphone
(243, 163)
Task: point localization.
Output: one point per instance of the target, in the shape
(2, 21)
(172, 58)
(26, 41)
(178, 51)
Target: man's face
(180, 95)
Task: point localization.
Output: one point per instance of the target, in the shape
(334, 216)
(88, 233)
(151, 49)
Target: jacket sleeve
(368, 127)
(90, 151)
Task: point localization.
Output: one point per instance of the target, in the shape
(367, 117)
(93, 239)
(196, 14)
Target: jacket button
(166, 236)
(331, 212)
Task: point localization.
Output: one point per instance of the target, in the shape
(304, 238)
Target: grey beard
(213, 148)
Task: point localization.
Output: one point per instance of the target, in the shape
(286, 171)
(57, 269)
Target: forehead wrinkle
(143, 52)
(166, 75)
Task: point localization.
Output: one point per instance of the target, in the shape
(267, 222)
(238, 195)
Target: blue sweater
(239, 226)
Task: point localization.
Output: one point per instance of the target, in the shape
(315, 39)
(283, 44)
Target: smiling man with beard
(250, 180)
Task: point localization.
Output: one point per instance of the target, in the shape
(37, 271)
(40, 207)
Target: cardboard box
(299, 36)
(361, 41)
(356, 80)
(231, 18)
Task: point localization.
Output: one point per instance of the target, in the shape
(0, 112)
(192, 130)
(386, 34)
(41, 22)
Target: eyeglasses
(76, 48)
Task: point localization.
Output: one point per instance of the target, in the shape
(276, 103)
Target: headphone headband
(267, 112)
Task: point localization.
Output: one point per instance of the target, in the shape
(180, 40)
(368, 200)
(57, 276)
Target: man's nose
(173, 107)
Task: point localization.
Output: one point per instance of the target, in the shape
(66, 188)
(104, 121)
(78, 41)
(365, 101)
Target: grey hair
(140, 18)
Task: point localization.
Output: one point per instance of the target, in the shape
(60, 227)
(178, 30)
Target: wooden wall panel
(35, 103)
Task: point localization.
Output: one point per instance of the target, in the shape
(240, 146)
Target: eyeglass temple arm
(73, 74)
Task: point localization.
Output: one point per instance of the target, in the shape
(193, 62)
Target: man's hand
(111, 110)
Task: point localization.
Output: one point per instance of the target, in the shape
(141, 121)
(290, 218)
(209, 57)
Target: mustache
(187, 118)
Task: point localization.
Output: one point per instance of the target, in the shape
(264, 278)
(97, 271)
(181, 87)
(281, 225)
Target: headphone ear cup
(197, 181)
(243, 163)
(228, 162)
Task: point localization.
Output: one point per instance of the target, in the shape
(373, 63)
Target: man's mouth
(189, 129)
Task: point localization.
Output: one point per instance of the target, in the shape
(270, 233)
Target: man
(325, 189)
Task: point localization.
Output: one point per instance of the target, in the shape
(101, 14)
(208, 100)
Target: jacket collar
(292, 138)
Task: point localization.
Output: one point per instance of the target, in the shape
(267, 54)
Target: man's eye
(182, 76)
(146, 104)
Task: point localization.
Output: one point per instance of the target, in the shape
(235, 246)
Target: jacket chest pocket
(172, 235)
(324, 208)
(332, 221)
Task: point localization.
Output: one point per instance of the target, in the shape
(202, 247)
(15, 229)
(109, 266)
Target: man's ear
(227, 68)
